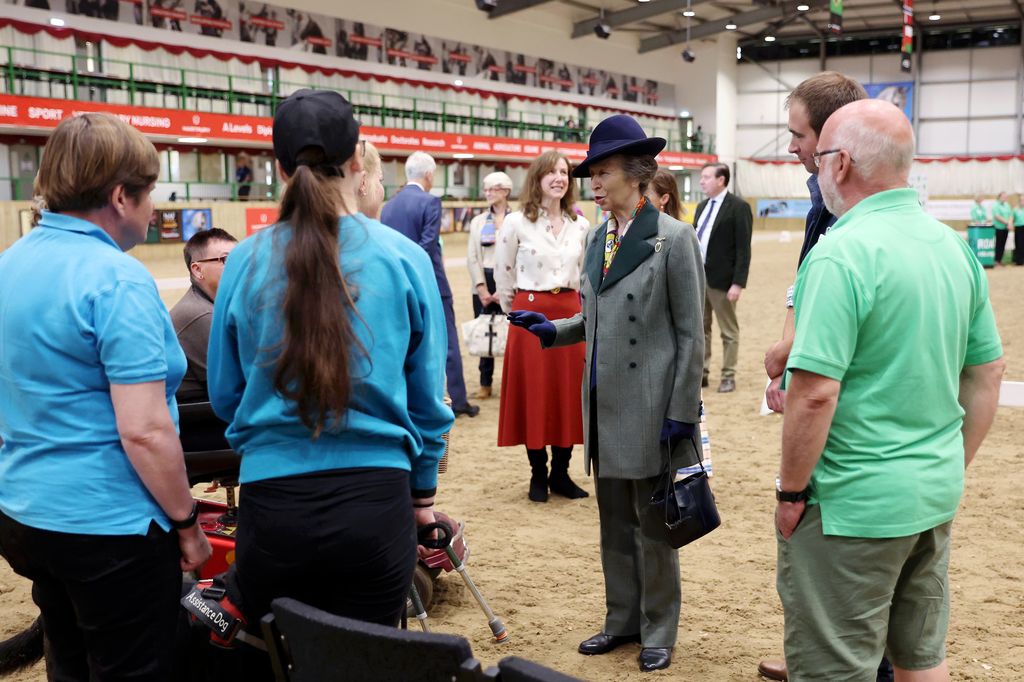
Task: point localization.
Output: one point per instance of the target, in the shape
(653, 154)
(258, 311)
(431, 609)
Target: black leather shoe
(602, 643)
(467, 409)
(704, 383)
(654, 658)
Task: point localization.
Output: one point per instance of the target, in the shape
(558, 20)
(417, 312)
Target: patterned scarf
(612, 239)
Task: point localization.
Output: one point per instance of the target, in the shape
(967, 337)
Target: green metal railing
(77, 77)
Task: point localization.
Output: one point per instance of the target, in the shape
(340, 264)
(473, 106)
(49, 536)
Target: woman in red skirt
(538, 260)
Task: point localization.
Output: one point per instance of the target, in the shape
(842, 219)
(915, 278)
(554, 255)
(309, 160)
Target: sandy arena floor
(538, 564)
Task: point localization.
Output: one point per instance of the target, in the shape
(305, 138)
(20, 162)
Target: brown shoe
(728, 385)
(484, 393)
(773, 670)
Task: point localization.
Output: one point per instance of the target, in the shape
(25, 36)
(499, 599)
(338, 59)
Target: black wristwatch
(189, 521)
(788, 496)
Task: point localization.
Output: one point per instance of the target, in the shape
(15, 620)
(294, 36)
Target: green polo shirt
(1018, 217)
(892, 304)
(979, 216)
(1002, 214)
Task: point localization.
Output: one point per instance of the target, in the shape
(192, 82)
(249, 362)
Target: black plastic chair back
(515, 669)
(314, 645)
(207, 453)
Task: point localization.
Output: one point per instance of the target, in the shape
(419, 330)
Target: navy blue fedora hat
(619, 134)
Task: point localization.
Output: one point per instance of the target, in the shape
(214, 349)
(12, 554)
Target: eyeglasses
(817, 156)
(219, 259)
(362, 149)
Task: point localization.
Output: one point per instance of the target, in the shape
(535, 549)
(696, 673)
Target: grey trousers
(641, 572)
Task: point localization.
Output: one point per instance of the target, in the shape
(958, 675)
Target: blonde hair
(87, 157)
(498, 179)
(533, 195)
(371, 159)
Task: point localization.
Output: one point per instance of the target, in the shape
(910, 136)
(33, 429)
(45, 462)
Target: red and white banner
(257, 219)
(21, 114)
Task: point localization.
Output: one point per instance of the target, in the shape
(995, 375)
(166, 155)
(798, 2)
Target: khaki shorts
(849, 600)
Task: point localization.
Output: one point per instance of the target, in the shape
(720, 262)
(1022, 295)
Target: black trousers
(486, 364)
(1001, 236)
(1018, 246)
(109, 602)
(343, 541)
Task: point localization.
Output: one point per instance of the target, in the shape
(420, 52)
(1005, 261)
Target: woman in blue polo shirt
(327, 357)
(92, 479)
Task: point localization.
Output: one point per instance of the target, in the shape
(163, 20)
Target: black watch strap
(190, 520)
(787, 496)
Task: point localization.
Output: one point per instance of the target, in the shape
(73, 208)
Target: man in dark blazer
(417, 215)
(723, 225)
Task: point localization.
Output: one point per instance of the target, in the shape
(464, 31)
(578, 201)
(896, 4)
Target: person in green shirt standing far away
(979, 216)
(1018, 230)
(1002, 220)
(892, 387)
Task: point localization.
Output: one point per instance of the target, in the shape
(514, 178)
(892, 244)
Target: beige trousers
(718, 303)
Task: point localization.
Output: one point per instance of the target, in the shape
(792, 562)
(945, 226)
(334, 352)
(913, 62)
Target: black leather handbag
(685, 507)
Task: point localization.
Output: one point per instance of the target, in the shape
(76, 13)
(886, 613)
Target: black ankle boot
(559, 482)
(539, 477)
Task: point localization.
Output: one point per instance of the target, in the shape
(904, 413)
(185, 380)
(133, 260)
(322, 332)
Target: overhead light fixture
(688, 56)
(462, 156)
(602, 30)
(769, 39)
(730, 27)
(802, 8)
(934, 17)
(685, 113)
(192, 140)
(689, 13)
(643, 0)
(739, 53)
(486, 5)
(676, 168)
(54, 21)
(458, 82)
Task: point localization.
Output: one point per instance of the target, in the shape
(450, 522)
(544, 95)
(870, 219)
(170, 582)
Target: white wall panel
(762, 142)
(942, 137)
(855, 67)
(943, 100)
(991, 137)
(994, 98)
(885, 68)
(752, 78)
(945, 66)
(995, 62)
(760, 108)
(795, 71)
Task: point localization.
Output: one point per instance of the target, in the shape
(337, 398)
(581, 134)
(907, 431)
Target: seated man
(205, 254)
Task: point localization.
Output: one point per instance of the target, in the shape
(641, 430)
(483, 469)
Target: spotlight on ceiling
(602, 30)
(769, 39)
(486, 5)
(802, 8)
(689, 13)
(688, 56)
(730, 27)
(935, 17)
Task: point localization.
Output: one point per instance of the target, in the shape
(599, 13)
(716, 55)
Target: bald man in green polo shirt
(893, 382)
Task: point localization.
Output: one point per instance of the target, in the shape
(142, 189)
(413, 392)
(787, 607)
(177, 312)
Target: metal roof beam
(512, 6)
(631, 15)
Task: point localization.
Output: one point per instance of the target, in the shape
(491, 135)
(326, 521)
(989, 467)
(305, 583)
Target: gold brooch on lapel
(659, 243)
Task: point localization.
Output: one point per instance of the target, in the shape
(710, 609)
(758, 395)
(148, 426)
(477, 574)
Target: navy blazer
(417, 215)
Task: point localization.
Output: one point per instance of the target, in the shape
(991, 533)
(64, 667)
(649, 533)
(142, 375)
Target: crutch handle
(443, 539)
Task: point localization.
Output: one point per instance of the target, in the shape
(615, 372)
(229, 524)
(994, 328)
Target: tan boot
(483, 393)
(773, 670)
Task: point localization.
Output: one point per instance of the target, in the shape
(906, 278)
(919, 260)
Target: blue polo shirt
(396, 417)
(76, 315)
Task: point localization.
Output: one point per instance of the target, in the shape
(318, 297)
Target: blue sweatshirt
(396, 416)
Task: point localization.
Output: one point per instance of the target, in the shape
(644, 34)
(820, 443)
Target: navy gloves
(673, 432)
(535, 323)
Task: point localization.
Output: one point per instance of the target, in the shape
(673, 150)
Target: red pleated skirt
(541, 401)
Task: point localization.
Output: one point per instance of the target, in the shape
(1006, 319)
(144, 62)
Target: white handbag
(486, 335)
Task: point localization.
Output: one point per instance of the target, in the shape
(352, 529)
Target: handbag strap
(669, 475)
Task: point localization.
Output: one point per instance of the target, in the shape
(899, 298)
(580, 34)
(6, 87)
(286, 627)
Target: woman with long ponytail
(327, 360)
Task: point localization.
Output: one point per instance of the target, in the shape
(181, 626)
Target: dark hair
(642, 168)
(532, 195)
(823, 93)
(197, 243)
(721, 170)
(664, 182)
(313, 368)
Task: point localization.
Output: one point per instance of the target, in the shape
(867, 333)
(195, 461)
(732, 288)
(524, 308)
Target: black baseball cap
(314, 118)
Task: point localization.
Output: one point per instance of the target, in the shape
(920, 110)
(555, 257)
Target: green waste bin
(982, 240)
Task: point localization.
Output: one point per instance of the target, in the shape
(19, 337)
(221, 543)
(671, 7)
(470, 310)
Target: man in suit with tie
(723, 225)
(417, 214)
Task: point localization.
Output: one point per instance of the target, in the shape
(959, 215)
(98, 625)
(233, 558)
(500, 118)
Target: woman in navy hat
(642, 289)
